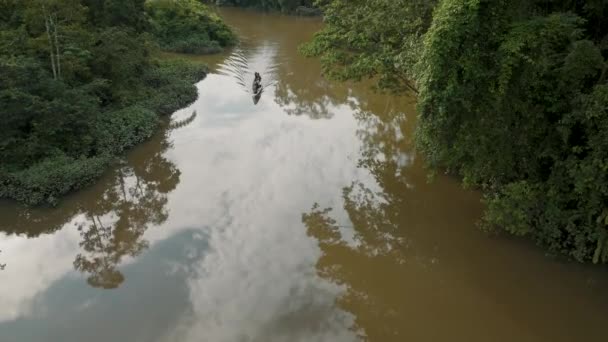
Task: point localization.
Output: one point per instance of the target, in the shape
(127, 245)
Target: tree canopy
(188, 26)
(79, 83)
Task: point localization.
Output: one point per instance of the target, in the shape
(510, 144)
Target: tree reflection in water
(115, 225)
(416, 258)
(362, 265)
(298, 101)
(386, 218)
(113, 216)
(305, 93)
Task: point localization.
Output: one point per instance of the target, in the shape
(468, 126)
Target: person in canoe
(257, 83)
(257, 87)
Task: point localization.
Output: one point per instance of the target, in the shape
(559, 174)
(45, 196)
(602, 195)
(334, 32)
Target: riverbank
(167, 86)
(81, 82)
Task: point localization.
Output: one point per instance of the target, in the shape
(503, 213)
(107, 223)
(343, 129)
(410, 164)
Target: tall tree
(378, 39)
(53, 19)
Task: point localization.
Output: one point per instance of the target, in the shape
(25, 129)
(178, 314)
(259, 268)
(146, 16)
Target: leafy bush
(120, 129)
(171, 85)
(55, 176)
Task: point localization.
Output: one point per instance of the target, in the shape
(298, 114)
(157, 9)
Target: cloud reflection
(96, 230)
(258, 283)
(258, 280)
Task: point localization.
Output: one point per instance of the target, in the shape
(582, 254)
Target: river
(304, 217)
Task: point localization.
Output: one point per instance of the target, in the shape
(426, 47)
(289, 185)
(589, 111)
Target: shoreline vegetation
(512, 98)
(81, 82)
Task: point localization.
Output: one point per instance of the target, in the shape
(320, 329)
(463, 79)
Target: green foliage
(76, 89)
(513, 97)
(372, 39)
(124, 128)
(122, 13)
(170, 86)
(128, 13)
(41, 116)
(167, 87)
(188, 26)
(514, 101)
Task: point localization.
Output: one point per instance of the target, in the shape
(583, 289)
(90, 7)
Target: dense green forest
(79, 84)
(513, 98)
(304, 7)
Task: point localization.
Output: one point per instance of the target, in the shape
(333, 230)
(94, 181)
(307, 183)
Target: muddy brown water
(306, 217)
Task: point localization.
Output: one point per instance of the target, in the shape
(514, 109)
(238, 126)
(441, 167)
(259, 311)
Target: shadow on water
(112, 216)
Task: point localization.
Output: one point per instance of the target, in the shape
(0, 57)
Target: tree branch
(57, 53)
(48, 34)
